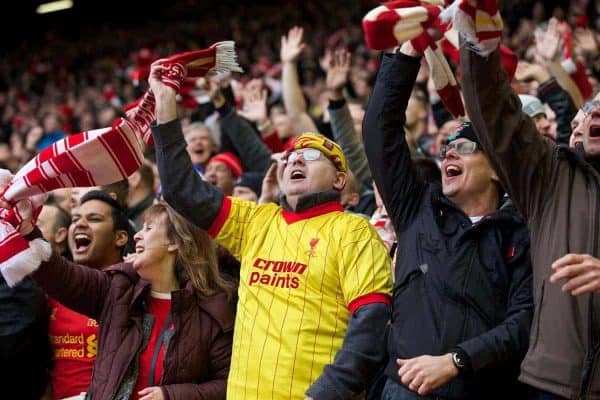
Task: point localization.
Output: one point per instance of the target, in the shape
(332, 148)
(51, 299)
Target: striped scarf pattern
(399, 21)
(93, 158)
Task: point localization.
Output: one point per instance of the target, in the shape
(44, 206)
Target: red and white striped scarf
(398, 21)
(479, 22)
(92, 158)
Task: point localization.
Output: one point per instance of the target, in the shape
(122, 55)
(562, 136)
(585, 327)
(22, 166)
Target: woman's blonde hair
(196, 255)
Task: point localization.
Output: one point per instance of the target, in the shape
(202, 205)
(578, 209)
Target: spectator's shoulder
(122, 271)
(355, 223)
(220, 308)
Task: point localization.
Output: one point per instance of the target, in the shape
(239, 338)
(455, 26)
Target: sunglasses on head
(307, 155)
(461, 148)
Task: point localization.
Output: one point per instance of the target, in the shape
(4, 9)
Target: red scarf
(397, 21)
(93, 158)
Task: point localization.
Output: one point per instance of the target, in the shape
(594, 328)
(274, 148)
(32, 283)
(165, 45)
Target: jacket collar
(311, 205)
(309, 200)
(506, 212)
(141, 286)
(591, 165)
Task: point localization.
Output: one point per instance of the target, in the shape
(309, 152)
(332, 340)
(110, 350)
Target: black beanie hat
(465, 131)
(252, 180)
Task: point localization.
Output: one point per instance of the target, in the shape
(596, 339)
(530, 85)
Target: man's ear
(134, 179)
(121, 238)
(60, 235)
(340, 181)
(494, 177)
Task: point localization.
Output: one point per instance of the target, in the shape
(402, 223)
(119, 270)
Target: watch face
(457, 360)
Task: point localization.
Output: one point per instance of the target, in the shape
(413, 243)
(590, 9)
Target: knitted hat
(465, 131)
(251, 180)
(230, 160)
(328, 147)
(531, 105)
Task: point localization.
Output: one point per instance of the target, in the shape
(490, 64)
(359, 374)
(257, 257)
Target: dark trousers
(395, 391)
(537, 394)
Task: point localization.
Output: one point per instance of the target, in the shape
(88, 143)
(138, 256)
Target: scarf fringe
(226, 58)
(25, 262)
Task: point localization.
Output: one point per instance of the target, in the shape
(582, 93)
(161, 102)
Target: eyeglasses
(462, 148)
(307, 154)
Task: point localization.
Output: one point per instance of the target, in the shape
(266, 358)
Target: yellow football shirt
(302, 275)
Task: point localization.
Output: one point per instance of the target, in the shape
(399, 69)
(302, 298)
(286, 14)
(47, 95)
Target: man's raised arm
(522, 158)
(181, 185)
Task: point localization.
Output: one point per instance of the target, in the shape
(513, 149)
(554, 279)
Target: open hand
(548, 44)
(255, 104)
(339, 69)
(291, 45)
(273, 179)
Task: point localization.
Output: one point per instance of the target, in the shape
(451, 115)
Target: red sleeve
(369, 299)
(218, 223)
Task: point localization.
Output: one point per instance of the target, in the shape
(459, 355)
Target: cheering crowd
(402, 206)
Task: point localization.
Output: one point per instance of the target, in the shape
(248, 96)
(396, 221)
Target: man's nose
(452, 154)
(299, 159)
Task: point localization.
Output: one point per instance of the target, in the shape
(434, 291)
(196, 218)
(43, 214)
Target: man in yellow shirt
(315, 282)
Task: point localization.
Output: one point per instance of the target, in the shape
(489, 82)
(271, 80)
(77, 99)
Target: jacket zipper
(592, 361)
(129, 361)
(464, 289)
(594, 365)
(538, 316)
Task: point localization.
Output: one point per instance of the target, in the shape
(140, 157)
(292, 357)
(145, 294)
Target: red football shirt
(74, 339)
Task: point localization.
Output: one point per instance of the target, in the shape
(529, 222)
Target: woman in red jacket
(166, 315)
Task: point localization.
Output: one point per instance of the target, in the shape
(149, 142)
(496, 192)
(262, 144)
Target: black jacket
(25, 351)
(458, 285)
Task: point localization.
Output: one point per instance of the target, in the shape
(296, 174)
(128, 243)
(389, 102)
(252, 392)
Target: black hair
(120, 190)
(63, 218)
(120, 220)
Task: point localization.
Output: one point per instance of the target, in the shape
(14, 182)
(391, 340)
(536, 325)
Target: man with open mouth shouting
(462, 301)
(98, 237)
(314, 281)
(557, 190)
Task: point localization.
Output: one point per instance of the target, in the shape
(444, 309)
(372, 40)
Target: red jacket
(196, 364)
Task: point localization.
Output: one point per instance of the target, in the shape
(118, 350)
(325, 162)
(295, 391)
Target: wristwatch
(458, 361)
